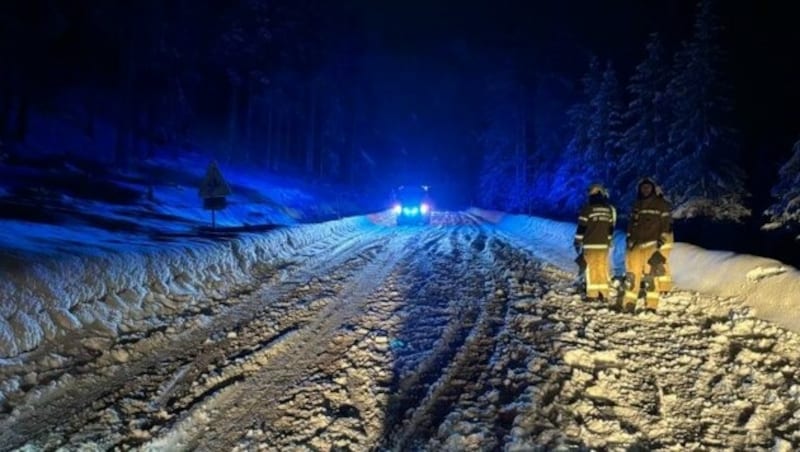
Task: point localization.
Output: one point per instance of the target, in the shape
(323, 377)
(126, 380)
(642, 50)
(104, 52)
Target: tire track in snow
(241, 405)
(456, 363)
(471, 379)
(347, 401)
(141, 367)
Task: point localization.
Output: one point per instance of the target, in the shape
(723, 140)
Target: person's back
(600, 218)
(593, 239)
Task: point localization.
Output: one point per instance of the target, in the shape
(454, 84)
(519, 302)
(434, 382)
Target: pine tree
(700, 166)
(495, 185)
(583, 150)
(645, 138)
(548, 134)
(786, 210)
(593, 149)
(606, 123)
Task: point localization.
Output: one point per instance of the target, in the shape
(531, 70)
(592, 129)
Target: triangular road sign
(214, 185)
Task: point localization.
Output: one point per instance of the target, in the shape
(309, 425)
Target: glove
(578, 246)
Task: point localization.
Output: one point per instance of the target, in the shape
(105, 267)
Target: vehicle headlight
(396, 209)
(424, 208)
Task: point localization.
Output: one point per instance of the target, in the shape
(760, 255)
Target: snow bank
(768, 286)
(44, 300)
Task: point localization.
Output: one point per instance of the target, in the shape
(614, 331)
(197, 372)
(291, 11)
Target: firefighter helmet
(648, 180)
(598, 189)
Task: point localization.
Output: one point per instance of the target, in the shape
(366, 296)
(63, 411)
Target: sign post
(213, 190)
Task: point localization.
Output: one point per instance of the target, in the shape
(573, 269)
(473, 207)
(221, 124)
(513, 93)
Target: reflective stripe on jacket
(596, 224)
(650, 220)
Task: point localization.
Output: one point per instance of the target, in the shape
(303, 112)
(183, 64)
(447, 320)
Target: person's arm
(666, 223)
(613, 223)
(583, 220)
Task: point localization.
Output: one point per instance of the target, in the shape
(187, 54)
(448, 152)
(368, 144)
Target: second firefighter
(648, 231)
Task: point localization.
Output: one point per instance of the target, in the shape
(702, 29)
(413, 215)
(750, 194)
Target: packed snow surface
(355, 334)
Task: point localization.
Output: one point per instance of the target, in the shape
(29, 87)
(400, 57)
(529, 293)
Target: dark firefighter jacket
(650, 220)
(596, 223)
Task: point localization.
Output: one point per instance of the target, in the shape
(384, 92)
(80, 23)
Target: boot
(628, 306)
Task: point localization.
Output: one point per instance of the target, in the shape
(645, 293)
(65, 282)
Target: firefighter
(647, 233)
(664, 282)
(593, 238)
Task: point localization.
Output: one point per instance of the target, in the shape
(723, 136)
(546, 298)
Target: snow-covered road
(452, 337)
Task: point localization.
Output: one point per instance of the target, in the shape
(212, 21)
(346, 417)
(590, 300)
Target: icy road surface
(448, 337)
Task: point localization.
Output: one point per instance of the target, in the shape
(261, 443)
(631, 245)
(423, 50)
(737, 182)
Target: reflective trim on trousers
(598, 286)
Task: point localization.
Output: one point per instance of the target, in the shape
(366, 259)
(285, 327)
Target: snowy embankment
(124, 292)
(770, 287)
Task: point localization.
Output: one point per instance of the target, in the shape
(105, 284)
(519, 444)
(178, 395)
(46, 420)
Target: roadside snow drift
(123, 291)
(768, 286)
